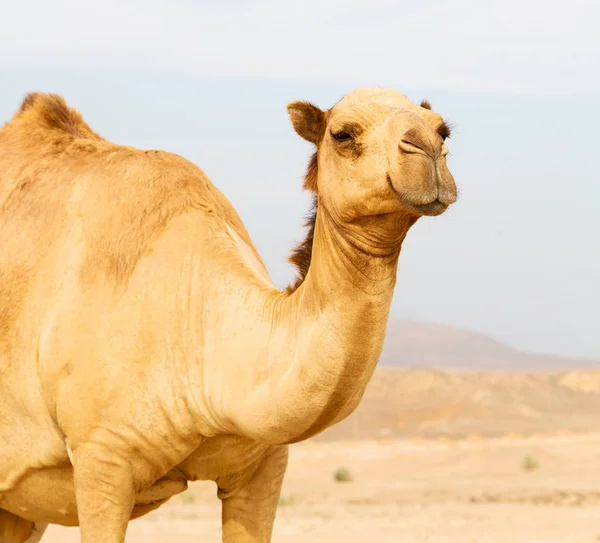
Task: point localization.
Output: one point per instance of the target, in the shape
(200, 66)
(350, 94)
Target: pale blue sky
(518, 257)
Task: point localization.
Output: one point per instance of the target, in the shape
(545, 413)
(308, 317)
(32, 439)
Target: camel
(143, 344)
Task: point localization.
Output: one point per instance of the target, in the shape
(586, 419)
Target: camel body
(142, 342)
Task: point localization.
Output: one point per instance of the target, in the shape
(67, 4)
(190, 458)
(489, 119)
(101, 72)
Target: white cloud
(496, 45)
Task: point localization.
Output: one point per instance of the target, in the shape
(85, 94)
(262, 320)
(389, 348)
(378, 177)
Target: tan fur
(142, 343)
(149, 188)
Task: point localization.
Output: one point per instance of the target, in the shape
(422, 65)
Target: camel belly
(48, 495)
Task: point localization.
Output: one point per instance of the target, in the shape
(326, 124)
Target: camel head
(378, 155)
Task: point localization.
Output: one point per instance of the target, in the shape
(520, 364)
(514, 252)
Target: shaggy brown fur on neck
(301, 255)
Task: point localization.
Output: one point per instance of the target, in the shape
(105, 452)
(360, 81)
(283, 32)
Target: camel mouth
(431, 209)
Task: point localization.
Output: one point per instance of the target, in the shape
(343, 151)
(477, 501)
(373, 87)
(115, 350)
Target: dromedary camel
(142, 343)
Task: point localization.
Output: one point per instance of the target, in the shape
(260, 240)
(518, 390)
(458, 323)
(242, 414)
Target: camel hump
(52, 112)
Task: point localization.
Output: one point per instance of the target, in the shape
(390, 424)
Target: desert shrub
(342, 475)
(284, 502)
(187, 497)
(529, 464)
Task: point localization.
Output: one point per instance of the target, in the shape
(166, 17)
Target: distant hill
(420, 344)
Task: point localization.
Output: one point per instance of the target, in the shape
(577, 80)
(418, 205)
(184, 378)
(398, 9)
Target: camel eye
(342, 136)
(444, 130)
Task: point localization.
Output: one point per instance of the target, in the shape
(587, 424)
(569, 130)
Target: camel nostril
(419, 141)
(411, 146)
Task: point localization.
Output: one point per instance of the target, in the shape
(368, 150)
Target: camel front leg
(250, 498)
(104, 489)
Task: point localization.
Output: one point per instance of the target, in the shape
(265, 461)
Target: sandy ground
(412, 491)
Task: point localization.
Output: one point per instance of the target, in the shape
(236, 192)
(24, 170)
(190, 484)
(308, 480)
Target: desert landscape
(163, 163)
(485, 445)
(521, 490)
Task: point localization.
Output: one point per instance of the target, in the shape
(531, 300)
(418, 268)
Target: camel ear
(308, 120)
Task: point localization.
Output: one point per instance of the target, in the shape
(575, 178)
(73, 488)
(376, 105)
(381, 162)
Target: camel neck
(303, 360)
(347, 293)
(352, 260)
